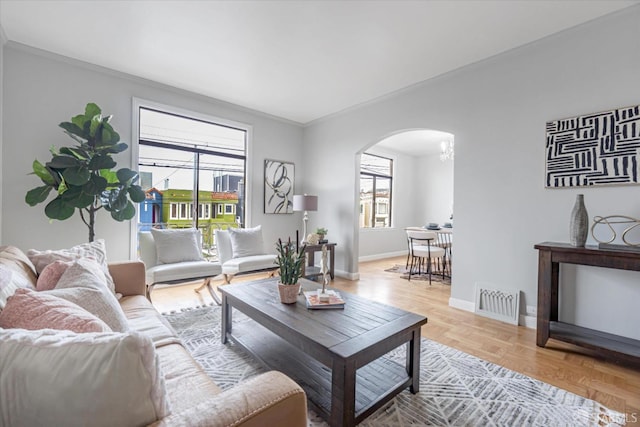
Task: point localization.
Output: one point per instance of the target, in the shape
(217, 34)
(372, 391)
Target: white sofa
(62, 378)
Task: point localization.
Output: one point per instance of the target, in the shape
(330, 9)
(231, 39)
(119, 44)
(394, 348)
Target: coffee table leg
(226, 319)
(413, 361)
(343, 394)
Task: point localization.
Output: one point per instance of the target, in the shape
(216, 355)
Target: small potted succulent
(290, 259)
(321, 232)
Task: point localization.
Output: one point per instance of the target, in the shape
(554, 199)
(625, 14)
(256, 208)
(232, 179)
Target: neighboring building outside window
(376, 182)
(204, 211)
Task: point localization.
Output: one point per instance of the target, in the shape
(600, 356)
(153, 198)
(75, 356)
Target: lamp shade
(305, 203)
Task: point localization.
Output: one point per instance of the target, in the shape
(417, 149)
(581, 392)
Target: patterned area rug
(404, 273)
(456, 389)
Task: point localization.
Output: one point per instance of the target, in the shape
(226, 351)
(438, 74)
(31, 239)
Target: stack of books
(313, 300)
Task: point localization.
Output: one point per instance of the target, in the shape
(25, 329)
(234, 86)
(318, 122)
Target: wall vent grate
(498, 304)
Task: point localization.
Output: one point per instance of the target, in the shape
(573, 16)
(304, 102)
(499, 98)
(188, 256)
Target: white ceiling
(300, 60)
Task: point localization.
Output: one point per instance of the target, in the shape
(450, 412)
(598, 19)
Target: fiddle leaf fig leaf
(137, 194)
(77, 176)
(94, 128)
(72, 129)
(115, 137)
(125, 175)
(105, 137)
(102, 161)
(95, 186)
(79, 120)
(116, 148)
(43, 173)
(78, 153)
(77, 198)
(37, 195)
(110, 176)
(62, 162)
(58, 209)
(124, 214)
(91, 110)
(118, 199)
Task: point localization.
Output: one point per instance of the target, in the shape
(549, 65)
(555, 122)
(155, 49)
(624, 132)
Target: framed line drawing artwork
(594, 149)
(278, 186)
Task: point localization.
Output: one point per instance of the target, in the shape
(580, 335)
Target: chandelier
(446, 150)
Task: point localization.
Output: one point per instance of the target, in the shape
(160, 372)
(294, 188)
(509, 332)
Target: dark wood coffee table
(335, 355)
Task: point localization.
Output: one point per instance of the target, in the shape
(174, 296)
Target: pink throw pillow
(32, 310)
(49, 277)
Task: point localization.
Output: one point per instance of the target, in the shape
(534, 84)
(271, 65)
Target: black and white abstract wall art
(594, 149)
(278, 186)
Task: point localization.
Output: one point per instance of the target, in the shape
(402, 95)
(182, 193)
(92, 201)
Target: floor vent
(497, 304)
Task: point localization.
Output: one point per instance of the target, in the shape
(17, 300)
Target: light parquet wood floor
(563, 365)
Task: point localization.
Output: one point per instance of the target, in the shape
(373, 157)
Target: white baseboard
(462, 304)
(382, 256)
(530, 322)
(347, 275)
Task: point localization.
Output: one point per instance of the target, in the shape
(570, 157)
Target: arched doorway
(420, 192)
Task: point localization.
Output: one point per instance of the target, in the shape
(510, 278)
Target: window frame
(374, 198)
(138, 103)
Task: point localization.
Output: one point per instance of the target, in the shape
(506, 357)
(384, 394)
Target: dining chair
(406, 266)
(423, 251)
(445, 241)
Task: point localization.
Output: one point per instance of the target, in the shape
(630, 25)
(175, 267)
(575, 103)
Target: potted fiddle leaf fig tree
(83, 177)
(290, 259)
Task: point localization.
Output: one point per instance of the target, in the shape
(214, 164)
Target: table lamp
(305, 203)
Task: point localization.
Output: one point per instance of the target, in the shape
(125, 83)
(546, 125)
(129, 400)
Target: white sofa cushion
(249, 263)
(223, 245)
(177, 245)
(246, 241)
(164, 273)
(83, 284)
(61, 378)
(96, 250)
(8, 285)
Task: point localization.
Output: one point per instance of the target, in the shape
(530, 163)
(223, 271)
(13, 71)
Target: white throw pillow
(223, 245)
(96, 250)
(60, 378)
(246, 241)
(7, 285)
(83, 284)
(177, 245)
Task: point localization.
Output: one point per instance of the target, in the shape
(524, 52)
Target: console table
(311, 250)
(550, 256)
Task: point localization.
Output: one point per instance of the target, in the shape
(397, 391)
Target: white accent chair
(173, 273)
(423, 252)
(246, 256)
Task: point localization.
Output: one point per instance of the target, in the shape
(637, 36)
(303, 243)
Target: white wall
(497, 110)
(42, 90)
(436, 180)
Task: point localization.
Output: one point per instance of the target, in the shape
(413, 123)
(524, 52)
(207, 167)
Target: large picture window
(188, 167)
(376, 182)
